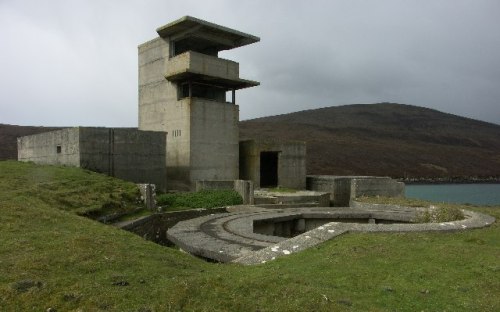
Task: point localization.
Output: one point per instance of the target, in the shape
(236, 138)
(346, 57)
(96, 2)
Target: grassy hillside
(386, 139)
(50, 257)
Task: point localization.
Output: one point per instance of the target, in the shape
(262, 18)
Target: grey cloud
(75, 62)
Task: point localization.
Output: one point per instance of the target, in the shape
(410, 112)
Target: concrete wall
(159, 110)
(43, 148)
(154, 227)
(202, 134)
(198, 63)
(292, 165)
(291, 162)
(343, 189)
(137, 156)
(339, 187)
(378, 186)
(214, 140)
(154, 90)
(129, 154)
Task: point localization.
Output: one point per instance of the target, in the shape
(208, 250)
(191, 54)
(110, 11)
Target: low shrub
(201, 199)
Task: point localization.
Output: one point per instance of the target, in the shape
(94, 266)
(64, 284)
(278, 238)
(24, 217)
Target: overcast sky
(74, 63)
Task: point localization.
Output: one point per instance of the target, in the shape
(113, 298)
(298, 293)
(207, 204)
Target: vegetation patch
(68, 188)
(382, 200)
(201, 199)
(432, 213)
(438, 214)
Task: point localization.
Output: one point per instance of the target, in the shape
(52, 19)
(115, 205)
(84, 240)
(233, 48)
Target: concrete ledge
(266, 197)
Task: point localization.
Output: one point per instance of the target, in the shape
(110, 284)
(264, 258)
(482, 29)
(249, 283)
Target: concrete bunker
(270, 164)
(293, 225)
(269, 169)
(245, 235)
(125, 153)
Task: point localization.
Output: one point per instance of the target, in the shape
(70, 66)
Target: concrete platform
(266, 198)
(255, 236)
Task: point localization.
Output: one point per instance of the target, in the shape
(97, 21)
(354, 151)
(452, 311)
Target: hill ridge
(399, 140)
(388, 139)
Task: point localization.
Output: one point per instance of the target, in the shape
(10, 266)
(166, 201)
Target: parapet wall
(343, 189)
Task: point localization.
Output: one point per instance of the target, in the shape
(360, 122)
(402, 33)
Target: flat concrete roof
(217, 81)
(221, 38)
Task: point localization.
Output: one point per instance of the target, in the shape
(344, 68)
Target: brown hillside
(386, 139)
(366, 139)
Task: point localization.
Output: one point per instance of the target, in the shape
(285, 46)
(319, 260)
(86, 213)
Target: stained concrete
(343, 189)
(154, 227)
(182, 91)
(269, 198)
(291, 162)
(215, 37)
(125, 153)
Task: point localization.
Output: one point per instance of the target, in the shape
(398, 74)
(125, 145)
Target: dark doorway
(268, 169)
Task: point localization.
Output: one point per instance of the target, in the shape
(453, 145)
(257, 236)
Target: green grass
(434, 212)
(52, 257)
(66, 188)
(201, 199)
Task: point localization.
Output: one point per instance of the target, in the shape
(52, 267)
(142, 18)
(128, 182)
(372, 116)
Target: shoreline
(458, 180)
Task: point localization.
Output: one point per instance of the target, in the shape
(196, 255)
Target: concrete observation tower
(182, 90)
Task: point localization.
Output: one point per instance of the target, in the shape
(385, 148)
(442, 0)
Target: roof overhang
(218, 37)
(215, 81)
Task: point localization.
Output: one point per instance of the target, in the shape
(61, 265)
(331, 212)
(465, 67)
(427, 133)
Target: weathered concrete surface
(214, 140)
(125, 153)
(250, 237)
(216, 37)
(343, 189)
(202, 64)
(182, 91)
(148, 195)
(291, 171)
(331, 230)
(59, 147)
(269, 197)
(154, 227)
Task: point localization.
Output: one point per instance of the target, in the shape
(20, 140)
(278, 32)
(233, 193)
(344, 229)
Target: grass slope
(52, 257)
(386, 139)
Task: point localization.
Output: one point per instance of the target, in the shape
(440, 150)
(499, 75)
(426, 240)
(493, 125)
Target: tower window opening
(203, 91)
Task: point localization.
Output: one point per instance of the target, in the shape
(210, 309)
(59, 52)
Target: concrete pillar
(245, 189)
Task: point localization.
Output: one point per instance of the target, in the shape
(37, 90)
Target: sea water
(476, 194)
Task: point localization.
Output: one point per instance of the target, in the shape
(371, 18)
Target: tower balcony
(194, 66)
